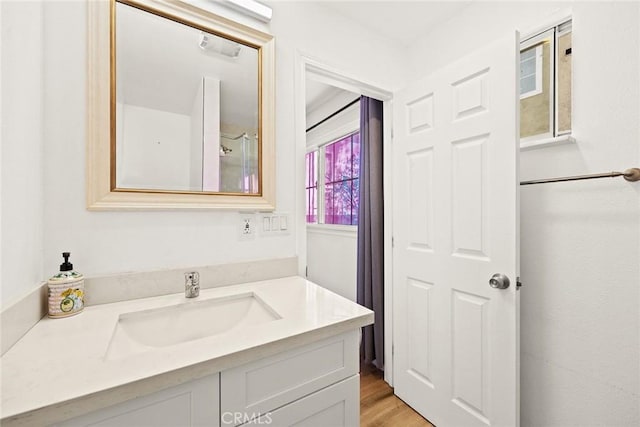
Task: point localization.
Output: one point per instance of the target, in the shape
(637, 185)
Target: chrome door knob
(499, 281)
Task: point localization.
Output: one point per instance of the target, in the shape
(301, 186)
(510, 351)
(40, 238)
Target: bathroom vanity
(277, 352)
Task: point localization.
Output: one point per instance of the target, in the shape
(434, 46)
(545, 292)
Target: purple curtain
(371, 230)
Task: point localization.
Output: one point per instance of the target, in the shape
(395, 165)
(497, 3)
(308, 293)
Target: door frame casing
(306, 65)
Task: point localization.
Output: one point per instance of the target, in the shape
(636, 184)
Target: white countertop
(59, 369)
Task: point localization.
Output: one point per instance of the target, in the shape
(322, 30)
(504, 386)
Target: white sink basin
(192, 320)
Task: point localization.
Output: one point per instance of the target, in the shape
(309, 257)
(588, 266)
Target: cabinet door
(336, 406)
(266, 384)
(195, 403)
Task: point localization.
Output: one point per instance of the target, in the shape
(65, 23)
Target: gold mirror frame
(101, 194)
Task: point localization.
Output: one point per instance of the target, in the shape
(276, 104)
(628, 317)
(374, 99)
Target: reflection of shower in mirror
(239, 165)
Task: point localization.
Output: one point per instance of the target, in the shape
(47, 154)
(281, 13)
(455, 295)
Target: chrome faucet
(191, 284)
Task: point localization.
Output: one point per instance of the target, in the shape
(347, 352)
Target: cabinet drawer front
(191, 404)
(267, 384)
(336, 406)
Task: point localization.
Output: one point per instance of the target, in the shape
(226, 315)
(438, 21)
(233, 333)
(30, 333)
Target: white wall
(156, 149)
(111, 242)
(580, 257)
(332, 257)
(22, 142)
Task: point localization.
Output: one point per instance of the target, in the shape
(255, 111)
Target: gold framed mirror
(188, 128)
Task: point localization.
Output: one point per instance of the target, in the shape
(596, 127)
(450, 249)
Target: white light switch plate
(274, 224)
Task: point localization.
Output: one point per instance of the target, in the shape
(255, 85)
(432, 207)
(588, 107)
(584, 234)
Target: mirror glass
(186, 108)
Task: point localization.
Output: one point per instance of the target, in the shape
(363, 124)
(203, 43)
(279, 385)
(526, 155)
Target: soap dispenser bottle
(66, 291)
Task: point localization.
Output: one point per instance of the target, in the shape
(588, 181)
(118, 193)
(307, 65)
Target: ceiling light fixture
(252, 8)
(216, 44)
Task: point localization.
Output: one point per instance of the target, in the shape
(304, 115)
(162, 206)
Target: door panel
(470, 359)
(455, 225)
(419, 310)
(469, 193)
(420, 200)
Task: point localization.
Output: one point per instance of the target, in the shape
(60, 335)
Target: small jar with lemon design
(66, 291)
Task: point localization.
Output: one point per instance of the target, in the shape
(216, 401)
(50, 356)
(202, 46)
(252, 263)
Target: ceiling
(401, 21)
(318, 93)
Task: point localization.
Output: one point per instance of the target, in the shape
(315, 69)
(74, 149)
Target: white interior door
(455, 225)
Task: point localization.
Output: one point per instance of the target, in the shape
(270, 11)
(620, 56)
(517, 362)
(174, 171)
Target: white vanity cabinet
(296, 366)
(313, 385)
(194, 403)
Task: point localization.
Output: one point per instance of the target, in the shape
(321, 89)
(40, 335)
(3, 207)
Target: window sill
(547, 142)
(335, 229)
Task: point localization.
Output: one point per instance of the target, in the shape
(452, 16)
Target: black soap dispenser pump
(66, 290)
(66, 265)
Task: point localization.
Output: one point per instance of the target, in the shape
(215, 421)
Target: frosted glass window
(341, 185)
(531, 71)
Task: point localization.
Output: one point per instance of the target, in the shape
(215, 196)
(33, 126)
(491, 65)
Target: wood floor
(379, 407)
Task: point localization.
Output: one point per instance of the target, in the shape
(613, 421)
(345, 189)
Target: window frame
(316, 186)
(538, 72)
(320, 180)
(562, 28)
(552, 30)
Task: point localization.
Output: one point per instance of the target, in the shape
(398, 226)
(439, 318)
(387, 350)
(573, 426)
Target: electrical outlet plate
(247, 227)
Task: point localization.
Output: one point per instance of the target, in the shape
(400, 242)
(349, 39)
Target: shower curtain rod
(630, 175)
(335, 113)
(233, 137)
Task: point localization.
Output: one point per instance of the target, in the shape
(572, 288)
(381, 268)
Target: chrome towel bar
(630, 175)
